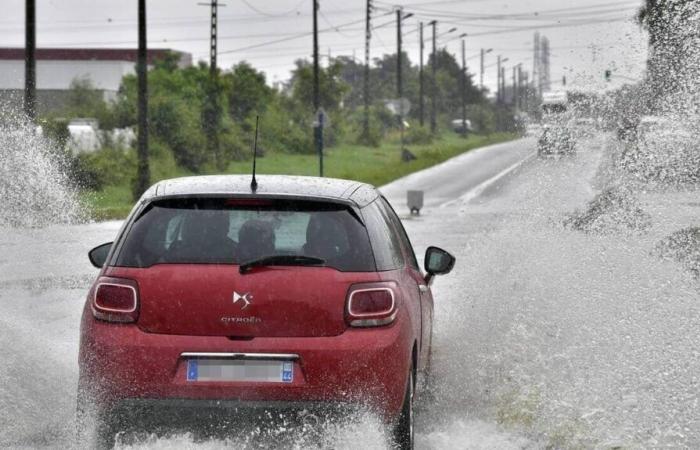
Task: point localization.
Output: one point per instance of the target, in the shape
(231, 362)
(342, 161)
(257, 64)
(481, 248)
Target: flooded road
(545, 335)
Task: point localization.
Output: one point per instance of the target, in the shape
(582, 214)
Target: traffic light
(608, 75)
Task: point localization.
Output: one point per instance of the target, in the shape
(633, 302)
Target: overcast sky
(586, 36)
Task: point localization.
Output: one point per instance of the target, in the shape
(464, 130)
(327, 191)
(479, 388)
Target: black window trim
(401, 266)
(409, 253)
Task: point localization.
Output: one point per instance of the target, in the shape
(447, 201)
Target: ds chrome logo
(245, 298)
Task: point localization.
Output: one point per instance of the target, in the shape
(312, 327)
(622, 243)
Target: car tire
(427, 374)
(403, 429)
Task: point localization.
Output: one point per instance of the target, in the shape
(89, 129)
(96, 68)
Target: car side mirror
(98, 255)
(438, 262)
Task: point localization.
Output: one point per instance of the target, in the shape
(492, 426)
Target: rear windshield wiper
(282, 260)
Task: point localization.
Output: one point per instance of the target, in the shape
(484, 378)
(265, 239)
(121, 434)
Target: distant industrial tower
(546, 72)
(541, 71)
(536, 65)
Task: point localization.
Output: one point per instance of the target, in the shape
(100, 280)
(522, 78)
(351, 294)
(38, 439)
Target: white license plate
(240, 370)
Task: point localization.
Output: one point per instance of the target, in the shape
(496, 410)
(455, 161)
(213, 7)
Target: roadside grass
(376, 166)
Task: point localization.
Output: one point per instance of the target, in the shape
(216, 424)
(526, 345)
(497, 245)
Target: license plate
(240, 370)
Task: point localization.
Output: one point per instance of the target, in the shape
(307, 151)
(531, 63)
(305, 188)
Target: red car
(302, 293)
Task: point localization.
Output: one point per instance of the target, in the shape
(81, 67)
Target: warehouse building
(57, 68)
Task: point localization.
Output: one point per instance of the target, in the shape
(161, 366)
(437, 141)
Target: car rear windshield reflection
(226, 231)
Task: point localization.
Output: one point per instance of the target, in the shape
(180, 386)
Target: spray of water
(35, 189)
(560, 321)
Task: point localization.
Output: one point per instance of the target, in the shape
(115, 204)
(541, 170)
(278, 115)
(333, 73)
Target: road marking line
(478, 190)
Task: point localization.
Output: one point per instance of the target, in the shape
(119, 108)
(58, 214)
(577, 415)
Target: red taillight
(116, 300)
(371, 305)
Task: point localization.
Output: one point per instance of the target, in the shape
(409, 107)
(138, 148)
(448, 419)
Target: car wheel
(403, 430)
(427, 374)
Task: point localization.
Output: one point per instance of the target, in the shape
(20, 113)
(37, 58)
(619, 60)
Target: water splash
(577, 339)
(35, 189)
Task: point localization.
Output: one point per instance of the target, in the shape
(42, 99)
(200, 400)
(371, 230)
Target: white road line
(478, 190)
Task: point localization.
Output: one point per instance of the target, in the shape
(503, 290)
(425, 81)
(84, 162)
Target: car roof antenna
(254, 183)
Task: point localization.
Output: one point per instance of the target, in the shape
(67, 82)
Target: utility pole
(514, 101)
(433, 103)
(405, 154)
(143, 175)
(368, 37)
(503, 84)
(213, 40)
(30, 61)
(498, 80)
(464, 89)
(537, 65)
(421, 100)
(215, 116)
(526, 91)
(212, 111)
(318, 125)
(399, 87)
(520, 87)
(481, 73)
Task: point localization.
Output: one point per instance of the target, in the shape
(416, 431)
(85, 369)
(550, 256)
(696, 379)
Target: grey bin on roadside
(414, 200)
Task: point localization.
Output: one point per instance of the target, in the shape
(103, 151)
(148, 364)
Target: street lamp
(464, 86)
(433, 109)
(433, 69)
(400, 17)
(499, 78)
(481, 74)
(451, 30)
(461, 36)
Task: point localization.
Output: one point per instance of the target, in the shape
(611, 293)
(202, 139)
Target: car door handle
(423, 288)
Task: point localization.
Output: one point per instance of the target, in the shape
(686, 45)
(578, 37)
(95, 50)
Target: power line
(411, 5)
(525, 15)
(169, 40)
(558, 25)
(182, 20)
(266, 14)
(336, 29)
(296, 36)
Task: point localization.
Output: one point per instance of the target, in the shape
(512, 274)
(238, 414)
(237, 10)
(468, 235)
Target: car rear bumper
(130, 412)
(122, 365)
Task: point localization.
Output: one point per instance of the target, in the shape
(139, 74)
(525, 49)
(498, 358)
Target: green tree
(448, 84)
(353, 74)
(83, 96)
(247, 91)
(332, 88)
(175, 111)
(85, 100)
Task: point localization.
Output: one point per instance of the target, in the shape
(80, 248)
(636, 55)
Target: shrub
(234, 146)
(483, 118)
(279, 132)
(56, 130)
(106, 167)
(380, 120)
(178, 126)
(418, 135)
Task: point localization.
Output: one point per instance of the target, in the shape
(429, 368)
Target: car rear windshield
(236, 231)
